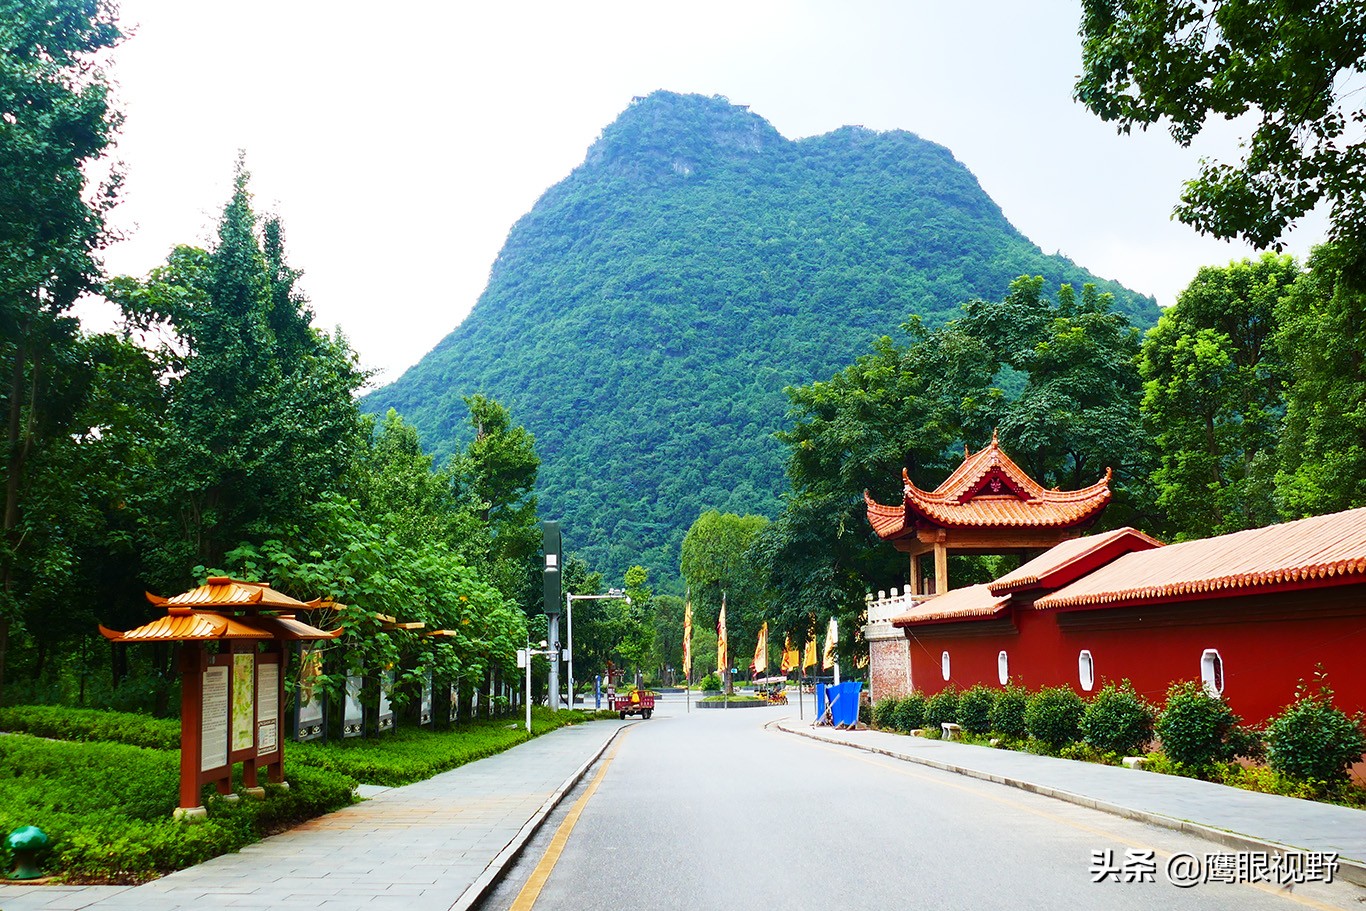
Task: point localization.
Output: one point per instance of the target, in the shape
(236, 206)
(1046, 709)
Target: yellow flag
(687, 638)
(761, 651)
(831, 637)
(809, 655)
(790, 656)
(722, 661)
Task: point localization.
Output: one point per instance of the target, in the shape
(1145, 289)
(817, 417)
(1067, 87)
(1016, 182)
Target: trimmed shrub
(1198, 730)
(1313, 739)
(974, 709)
(884, 713)
(710, 682)
(942, 708)
(1053, 716)
(1118, 720)
(910, 713)
(57, 722)
(1008, 711)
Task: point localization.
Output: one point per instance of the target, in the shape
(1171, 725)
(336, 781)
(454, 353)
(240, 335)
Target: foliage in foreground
(1313, 739)
(118, 828)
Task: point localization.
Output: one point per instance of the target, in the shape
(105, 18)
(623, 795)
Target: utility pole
(550, 540)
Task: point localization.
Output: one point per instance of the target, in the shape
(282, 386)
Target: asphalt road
(710, 810)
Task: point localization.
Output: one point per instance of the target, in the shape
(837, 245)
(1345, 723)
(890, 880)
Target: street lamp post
(613, 594)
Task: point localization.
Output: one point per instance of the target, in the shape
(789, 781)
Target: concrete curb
(1353, 871)
(497, 867)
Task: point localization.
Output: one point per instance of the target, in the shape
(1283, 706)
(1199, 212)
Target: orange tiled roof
(988, 489)
(287, 627)
(974, 602)
(184, 625)
(1324, 550)
(221, 592)
(1069, 560)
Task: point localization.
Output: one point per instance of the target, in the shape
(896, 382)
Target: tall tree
(55, 122)
(1214, 386)
(718, 556)
(1290, 64)
(497, 471)
(1323, 342)
(1077, 414)
(260, 418)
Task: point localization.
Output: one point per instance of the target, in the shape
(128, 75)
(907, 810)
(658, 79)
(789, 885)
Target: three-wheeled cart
(641, 702)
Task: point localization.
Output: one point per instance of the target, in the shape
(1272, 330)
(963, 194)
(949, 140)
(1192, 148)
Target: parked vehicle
(639, 702)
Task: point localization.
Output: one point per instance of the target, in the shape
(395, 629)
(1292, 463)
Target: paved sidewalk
(1240, 819)
(430, 846)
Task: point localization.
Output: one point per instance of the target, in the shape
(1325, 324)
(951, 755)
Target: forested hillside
(644, 317)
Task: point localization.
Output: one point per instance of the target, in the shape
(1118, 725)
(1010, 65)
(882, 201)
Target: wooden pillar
(941, 567)
(915, 575)
(191, 739)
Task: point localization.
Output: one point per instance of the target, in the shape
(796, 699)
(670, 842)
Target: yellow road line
(526, 899)
(899, 766)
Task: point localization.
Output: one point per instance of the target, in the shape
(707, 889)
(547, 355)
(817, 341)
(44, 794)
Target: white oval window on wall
(1086, 670)
(944, 665)
(1212, 672)
(1003, 668)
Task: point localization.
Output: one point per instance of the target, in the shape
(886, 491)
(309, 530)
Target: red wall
(1267, 646)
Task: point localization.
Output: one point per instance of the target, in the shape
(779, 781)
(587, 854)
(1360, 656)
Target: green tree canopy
(1293, 67)
(55, 122)
(1214, 386)
(1323, 343)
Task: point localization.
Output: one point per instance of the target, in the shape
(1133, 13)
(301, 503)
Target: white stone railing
(882, 609)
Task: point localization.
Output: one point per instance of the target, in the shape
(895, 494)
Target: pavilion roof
(974, 602)
(987, 490)
(221, 592)
(186, 624)
(1315, 552)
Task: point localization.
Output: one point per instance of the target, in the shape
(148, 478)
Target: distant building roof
(1072, 559)
(1308, 553)
(987, 490)
(971, 603)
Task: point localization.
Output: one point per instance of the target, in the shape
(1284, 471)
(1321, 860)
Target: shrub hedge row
(1311, 744)
(103, 785)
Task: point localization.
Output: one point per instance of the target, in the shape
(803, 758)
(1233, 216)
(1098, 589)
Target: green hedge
(910, 713)
(1118, 720)
(116, 827)
(1053, 716)
(974, 709)
(62, 723)
(1313, 740)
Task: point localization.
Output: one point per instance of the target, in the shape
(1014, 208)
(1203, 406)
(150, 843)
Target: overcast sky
(400, 142)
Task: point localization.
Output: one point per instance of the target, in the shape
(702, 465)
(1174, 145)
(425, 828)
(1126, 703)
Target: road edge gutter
(1353, 871)
(475, 891)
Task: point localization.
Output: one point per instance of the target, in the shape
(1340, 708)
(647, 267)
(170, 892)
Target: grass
(103, 785)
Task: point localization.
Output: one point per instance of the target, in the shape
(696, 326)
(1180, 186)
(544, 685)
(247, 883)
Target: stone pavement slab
(429, 846)
(1232, 816)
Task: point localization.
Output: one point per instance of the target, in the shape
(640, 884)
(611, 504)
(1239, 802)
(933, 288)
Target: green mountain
(644, 317)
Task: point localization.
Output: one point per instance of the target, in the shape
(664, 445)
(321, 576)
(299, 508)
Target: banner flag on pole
(831, 637)
(761, 651)
(809, 654)
(790, 656)
(687, 637)
(722, 660)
